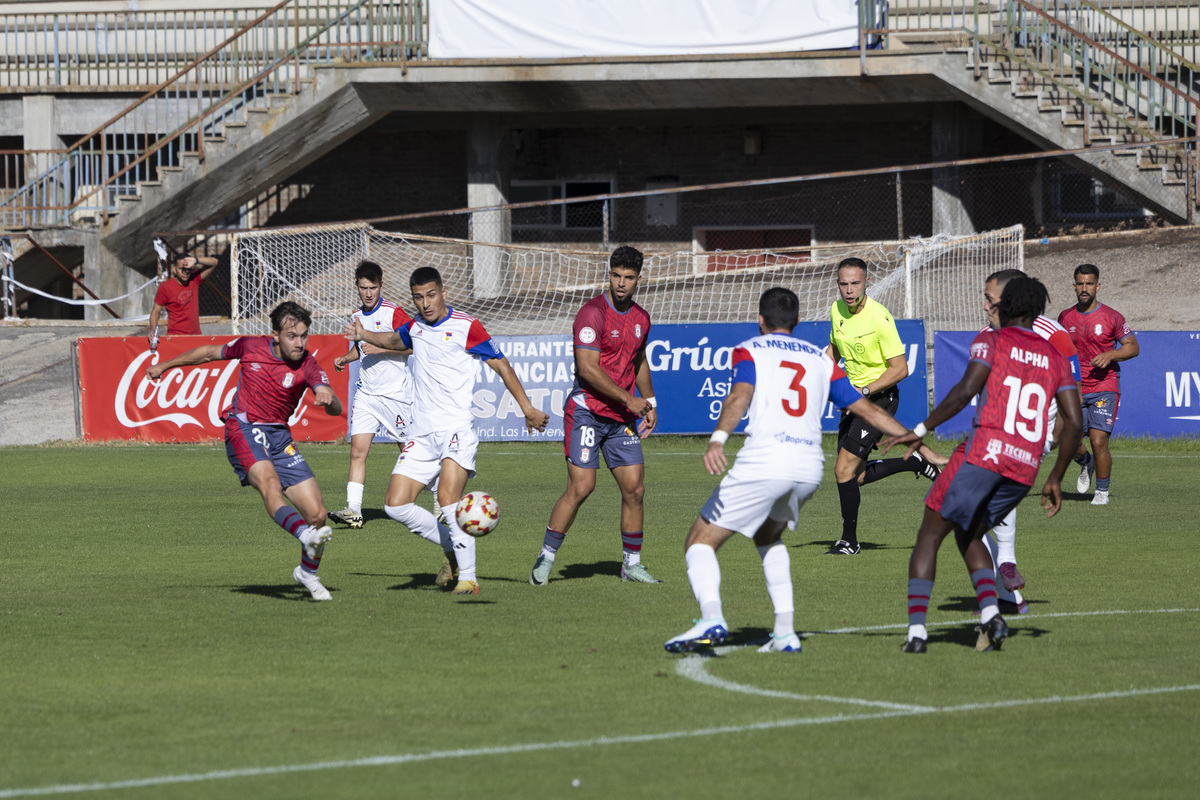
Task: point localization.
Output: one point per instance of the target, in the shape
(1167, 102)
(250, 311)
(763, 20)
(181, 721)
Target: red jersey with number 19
(619, 336)
(1010, 426)
(269, 388)
(792, 381)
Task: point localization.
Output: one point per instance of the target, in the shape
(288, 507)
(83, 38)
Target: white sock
(985, 616)
(354, 493)
(632, 559)
(704, 573)
(777, 569)
(917, 632)
(1006, 539)
(417, 520)
(354, 497)
(464, 544)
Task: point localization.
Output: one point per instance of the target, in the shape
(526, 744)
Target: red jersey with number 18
(619, 336)
(1010, 426)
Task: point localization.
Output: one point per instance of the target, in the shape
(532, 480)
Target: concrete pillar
(108, 276)
(41, 133)
(489, 170)
(954, 136)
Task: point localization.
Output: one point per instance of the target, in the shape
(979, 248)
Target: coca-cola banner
(118, 401)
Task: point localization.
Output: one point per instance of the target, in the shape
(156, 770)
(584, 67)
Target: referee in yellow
(865, 335)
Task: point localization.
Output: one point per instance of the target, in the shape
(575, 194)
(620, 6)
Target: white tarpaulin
(588, 28)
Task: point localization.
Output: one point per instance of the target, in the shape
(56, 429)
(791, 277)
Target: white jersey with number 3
(792, 380)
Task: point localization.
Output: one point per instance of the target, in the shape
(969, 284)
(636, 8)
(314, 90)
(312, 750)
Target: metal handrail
(220, 86)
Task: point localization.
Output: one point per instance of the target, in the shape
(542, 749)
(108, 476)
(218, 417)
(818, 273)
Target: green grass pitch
(152, 644)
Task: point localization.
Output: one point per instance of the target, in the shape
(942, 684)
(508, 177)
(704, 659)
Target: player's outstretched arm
(1070, 414)
(326, 399)
(954, 401)
(534, 418)
(197, 355)
(388, 340)
(732, 411)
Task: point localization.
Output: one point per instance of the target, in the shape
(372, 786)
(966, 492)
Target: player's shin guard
(417, 520)
(551, 542)
(984, 581)
(290, 520)
(777, 569)
(704, 574)
(631, 547)
(464, 544)
(1006, 539)
(886, 467)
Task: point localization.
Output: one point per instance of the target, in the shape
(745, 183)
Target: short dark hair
(423, 275)
(626, 256)
(1022, 297)
(1087, 269)
(289, 310)
(369, 270)
(779, 308)
(1004, 276)
(856, 263)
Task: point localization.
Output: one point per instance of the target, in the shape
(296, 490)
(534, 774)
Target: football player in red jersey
(1096, 328)
(602, 415)
(275, 372)
(1017, 372)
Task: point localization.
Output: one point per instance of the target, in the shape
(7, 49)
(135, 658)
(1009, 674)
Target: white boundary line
(534, 747)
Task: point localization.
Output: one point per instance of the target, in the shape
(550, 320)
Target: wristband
(718, 437)
(653, 401)
(920, 430)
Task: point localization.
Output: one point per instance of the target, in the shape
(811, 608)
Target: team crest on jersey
(378, 325)
(1099, 329)
(288, 380)
(637, 330)
(448, 336)
(584, 453)
(616, 334)
(587, 335)
(994, 446)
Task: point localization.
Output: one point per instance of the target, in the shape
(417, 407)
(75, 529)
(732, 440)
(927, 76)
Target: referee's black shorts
(856, 436)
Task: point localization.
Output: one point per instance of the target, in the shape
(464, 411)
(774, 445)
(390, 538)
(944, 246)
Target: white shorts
(422, 456)
(744, 505)
(1051, 415)
(375, 414)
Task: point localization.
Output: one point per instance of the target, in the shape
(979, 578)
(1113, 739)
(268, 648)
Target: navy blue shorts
(1100, 411)
(247, 443)
(587, 436)
(964, 492)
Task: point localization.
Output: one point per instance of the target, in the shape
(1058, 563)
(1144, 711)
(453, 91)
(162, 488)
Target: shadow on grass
(425, 581)
(571, 572)
(865, 547)
(280, 591)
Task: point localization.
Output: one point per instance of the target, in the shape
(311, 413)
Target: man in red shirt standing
(602, 415)
(1018, 373)
(179, 295)
(275, 372)
(1102, 339)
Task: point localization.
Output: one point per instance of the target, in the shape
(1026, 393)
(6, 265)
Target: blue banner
(1160, 389)
(689, 365)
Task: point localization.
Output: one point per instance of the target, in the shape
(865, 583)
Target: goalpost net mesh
(519, 289)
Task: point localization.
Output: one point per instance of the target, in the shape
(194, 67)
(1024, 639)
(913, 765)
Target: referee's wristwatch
(866, 390)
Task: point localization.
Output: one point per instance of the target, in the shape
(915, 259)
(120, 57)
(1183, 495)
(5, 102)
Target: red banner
(118, 401)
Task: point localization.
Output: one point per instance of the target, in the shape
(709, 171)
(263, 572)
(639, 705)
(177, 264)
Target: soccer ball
(478, 513)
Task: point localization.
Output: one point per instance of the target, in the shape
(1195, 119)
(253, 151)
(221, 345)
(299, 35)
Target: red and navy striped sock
(919, 592)
(552, 541)
(984, 581)
(290, 520)
(631, 545)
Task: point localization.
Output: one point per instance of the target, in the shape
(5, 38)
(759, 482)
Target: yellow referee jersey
(866, 340)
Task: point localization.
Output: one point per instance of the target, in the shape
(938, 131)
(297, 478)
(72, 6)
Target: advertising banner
(690, 367)
(1160, 388)
(118, 401)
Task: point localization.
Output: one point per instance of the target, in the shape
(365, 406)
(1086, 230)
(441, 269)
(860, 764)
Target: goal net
(519, 289)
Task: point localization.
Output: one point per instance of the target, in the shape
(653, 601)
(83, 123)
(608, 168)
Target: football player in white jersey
(785, 383)
(442, 440)
(384, 395)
